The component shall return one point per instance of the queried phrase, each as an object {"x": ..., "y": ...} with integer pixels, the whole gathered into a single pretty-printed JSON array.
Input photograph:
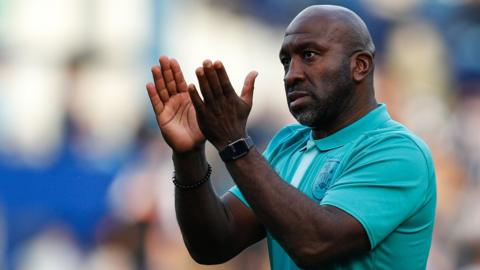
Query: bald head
[{"x": 337, "y": 24}]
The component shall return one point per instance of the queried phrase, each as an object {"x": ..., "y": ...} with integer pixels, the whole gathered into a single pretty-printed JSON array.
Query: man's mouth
[{"x": 296, "y": 96}]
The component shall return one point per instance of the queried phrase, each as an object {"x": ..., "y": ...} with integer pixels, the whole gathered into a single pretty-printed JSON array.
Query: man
[{"x": 347, "y": 188}]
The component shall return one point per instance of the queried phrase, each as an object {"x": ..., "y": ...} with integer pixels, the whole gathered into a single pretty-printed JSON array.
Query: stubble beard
[{"x": 308, "y": 116}]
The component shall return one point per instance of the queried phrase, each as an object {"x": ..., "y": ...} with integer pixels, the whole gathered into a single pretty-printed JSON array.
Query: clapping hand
[
  {"x": 173, "y": 107},
  {"x": 222, "y": 114}
]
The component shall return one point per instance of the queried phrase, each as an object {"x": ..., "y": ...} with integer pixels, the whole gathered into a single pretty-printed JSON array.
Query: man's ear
[{"x": 362, "y": 65}]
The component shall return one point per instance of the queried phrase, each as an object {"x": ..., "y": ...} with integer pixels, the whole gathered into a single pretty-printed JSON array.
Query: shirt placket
[{"x": 307, "y": 159}]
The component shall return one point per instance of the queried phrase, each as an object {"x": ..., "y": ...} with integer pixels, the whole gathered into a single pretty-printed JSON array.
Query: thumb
[{"x": 248, "y": 86}]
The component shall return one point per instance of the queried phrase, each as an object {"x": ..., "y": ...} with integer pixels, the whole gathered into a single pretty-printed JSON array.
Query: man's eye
[
  {"x": 285, "y": 61},
  {"x": 308, "y": 54}
]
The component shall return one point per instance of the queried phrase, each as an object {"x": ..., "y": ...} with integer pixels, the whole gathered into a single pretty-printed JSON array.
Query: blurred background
[{"x": 85, "y": 177}]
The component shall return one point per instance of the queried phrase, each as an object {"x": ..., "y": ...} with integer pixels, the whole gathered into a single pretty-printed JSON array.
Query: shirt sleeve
[{"x": 383, "y": 184}]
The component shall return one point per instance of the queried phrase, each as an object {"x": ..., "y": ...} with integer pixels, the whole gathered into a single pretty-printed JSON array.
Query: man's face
[{"x": 318, "y": 80}]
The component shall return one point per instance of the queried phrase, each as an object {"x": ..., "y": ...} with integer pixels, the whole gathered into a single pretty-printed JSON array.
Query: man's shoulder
[
  {"x": 394, "y": 141},
  {"x": 291, "y": 131},
  {"x": 394, "y": 133},
  {"x": 287, "y": 138}
]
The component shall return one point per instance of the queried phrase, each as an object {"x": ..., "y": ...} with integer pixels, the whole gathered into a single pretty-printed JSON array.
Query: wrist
[
  {"x": 195, "y": 152},
  {"x": 190, "y": 166}
]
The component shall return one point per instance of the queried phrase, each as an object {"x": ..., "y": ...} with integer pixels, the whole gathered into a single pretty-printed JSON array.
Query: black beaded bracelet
[{"x": 194, "y": 185}]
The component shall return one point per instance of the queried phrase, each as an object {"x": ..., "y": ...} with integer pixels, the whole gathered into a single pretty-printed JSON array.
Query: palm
[
  {"x": 173, "y": 107},
  {"x": 178, "y": 123}
]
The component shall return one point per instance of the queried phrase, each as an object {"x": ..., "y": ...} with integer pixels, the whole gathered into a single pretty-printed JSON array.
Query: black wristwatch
[{"x": 236, "y": 149}]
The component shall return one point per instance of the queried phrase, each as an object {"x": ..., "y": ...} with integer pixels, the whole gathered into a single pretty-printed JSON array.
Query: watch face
[
  {"x": 239, "y": 148},
  {"x": 236, "y": 149}
]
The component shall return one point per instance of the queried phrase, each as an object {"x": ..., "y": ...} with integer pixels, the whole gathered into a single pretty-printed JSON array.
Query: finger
[
  {"x": 195, "y": 97},
  {"x": 223, "y": 78},
  {"x": 157, "y": 103},
  {"x": 164, "y": 95},
  {"x": 167, "y": 74},
  {"x": 159, "y": 83},
  {"x": 212, "y": 78},
  {"x": 248, "y": 86},
  {"x": 204, "y": 86},
  {"x": 178, "y": 76}
]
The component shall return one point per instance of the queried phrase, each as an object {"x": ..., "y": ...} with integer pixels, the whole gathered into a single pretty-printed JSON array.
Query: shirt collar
[{"x": 370, "y": 121}]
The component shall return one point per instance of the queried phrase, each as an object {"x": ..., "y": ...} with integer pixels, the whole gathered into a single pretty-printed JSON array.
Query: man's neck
[{"x": 343, "y": 120}]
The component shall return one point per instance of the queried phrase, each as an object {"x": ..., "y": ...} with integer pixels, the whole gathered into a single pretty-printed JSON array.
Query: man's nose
[{"x": 294, "y": 73}]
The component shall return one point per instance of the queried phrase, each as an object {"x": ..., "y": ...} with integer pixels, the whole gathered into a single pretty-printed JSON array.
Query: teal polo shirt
[{"x": 377, "y": 171}]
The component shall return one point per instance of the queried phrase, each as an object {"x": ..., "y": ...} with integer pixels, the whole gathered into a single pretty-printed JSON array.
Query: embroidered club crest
[{"x": 323, "y": 178}]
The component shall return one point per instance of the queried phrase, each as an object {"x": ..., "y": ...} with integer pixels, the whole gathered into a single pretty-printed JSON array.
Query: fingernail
[{"x": 207, "y": 63}]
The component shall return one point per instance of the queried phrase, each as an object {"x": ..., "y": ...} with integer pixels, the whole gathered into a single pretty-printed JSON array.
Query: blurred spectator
[{"x": 52, "y": 249}]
